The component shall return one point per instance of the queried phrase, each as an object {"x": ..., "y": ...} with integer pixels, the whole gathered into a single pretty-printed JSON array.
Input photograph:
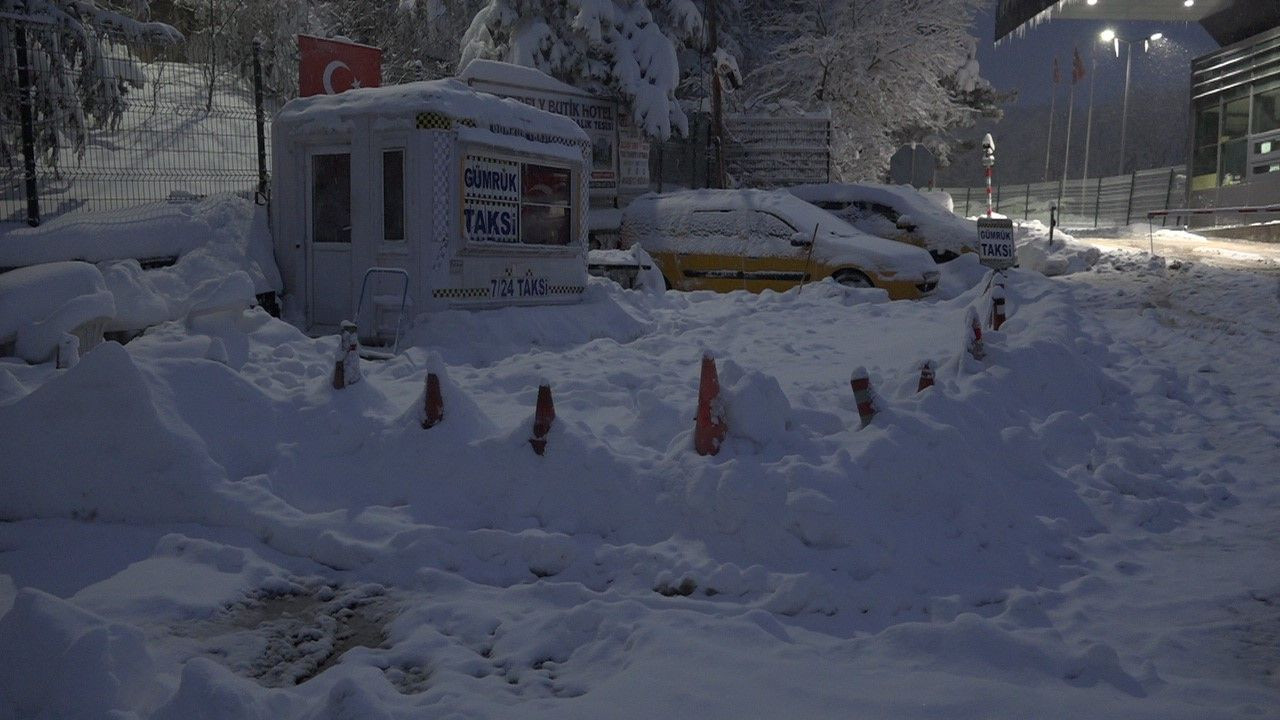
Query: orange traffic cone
[
  {"x": 861, "y": 383},
  {"x": 542, "y": 418},
  {"x": 997, "y": 307},
  {"x": 709, "y": 427},
  {"x": 434, "y": 402},
  {"x": 926, "y": 376}
]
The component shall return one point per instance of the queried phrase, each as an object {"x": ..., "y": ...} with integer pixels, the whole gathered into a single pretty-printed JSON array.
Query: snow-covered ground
[{"x": 1079, "y": 525}]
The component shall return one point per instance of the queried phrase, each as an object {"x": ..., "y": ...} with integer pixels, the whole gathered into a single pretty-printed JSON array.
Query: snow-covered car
[
  {"x": 895, "y": 212},
  {"x": 755, "y": 240}
]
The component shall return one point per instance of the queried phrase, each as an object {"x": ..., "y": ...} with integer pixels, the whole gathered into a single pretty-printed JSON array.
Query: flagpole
[
  {"x": 1077, "y": 72},
  {"x": 1088, "y": 123},
  {"x": 1048, "y": 145},
  {"x": 1066, "y": 153}
]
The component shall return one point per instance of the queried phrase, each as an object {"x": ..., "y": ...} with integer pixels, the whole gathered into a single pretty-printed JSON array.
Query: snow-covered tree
[
  {"x": 890, "y": 71},
  {"x": 625, "y": 49},
  {"x": 419, "y": 38},
  {"x": 221, "y": 34},
  {"x": 79, "y": 80}
]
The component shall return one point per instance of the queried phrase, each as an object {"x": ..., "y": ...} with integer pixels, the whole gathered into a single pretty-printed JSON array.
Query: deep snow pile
[
  {"x": 1062, "y": 256},
  {"x": 267, "y": 530},
  {"x": 221, "y": 244},
  {"x": 40, "y": 304}
]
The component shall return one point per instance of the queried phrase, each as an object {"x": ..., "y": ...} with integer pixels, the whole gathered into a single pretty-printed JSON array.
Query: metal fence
[
  {"x": 1093, "y": 202},
  {"x": 760, "y": 151},
  {"x": 110, "y": 124},
  {"x": 766, "y": 151}
]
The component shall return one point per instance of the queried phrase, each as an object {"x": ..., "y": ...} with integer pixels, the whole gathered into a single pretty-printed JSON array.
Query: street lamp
[{"x": 1109, "y": 36}]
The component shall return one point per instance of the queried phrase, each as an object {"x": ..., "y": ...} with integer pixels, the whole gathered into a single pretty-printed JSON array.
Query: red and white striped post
[{"x": 988, "y": 163}]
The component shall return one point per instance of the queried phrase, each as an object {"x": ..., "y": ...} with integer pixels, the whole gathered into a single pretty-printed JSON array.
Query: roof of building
[{"x": 1227, "y": 21}]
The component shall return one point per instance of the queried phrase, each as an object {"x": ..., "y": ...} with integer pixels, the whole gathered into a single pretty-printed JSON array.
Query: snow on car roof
[
  {"x": 670, "y": 207},
  {"x": 656, "y": 221},
  {"x": 397, "y": 106},
  {"x": 903, "y": 198}
]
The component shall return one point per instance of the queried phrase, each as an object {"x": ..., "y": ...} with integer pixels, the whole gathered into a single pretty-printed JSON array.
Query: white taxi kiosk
[{"x": 480, "y": 200}]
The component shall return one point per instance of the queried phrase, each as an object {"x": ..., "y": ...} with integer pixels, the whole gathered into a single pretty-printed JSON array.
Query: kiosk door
[{"x": 329, "y": 238}]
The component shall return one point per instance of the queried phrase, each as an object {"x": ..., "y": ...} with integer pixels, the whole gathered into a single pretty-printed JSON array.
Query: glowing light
[
  {"x": 1188, "y": 3},
  {"x": 1155, "y": 36},
  {"x": 1090, "y": 2},
  {"x": 1107, "y": 35}
]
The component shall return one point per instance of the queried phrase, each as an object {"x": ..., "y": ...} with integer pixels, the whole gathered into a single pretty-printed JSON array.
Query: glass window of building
[
  {"x": 1204, "y": 165},
  {"x": 393, "y": 195},
  {"x": 1235, "y": 144},
  {"x": 1266, "y": 110}
]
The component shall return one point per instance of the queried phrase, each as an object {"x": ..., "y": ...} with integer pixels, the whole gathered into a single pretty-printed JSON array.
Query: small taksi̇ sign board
[{"x": 995, "y": 243}]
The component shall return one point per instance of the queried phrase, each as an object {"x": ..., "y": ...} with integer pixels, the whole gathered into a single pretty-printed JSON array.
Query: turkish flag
[{"x": 328, "y": 67}]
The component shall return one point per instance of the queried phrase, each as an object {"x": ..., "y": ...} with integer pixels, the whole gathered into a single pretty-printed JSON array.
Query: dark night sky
[{"x": 1025, "y": 63}]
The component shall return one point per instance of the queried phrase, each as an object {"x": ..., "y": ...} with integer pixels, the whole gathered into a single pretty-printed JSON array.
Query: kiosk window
[
  {"x": 393, "y": 195},
  {"x": 331, "y": 198},
  {"x": 545, "y": 197}
]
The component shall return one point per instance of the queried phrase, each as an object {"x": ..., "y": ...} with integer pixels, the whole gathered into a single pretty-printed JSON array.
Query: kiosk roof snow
[
  {"x": 400, "y": 105},
  {"x": 518, "y": 76}
]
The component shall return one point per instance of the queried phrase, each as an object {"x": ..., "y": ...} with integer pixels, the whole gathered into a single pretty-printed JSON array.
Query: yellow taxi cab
[{"x": 756, "y": 240}]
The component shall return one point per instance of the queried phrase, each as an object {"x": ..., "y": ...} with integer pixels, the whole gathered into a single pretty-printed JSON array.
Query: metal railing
[
  {"x": 178, "y": 125},
  {"x": 1093, "y": 202}
]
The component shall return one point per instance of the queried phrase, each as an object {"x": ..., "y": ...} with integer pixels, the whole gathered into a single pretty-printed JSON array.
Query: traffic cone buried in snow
[
  {"x": 861, "y": 383},
  {"x": 997, "y": 306},
  {"x": 543, "y": 415},
  {"x": 974, "y": 344},
  {"x": 926, "y": 376},
  {"x": 346, "y": 361},
  {"x": 434, "y": 402},
  {"x": 709, "y": 427}
]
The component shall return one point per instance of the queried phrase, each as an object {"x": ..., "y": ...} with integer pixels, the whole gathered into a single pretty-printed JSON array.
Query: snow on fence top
[{"x": 399, "y": 107}]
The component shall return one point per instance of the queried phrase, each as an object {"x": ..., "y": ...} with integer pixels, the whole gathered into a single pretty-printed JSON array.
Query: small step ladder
[{"x": 370, "y": 353}]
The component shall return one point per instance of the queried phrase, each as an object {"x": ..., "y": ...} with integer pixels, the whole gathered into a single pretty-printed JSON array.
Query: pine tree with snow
[
  {"x": 77, "y": 83},
  {"x": 625, "y": 49}
]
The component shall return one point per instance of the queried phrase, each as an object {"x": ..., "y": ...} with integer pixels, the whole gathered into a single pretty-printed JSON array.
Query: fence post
[
  {"x": 28, "y": 125},
  {"x": 1128, "y": 213},
  {"x": 966, "y": 200},
  {"x": 1168, "y": 195},
  {"x": 1026, "y": 204},
  {"x": 1097, "y": 201},
  {"x": 661, "y": 169},
  {"x": 263, "y": 194}
]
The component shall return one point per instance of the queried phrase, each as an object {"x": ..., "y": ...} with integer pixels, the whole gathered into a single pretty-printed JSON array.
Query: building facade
[
  {"x": 1234, "y": 156},
  {"x": 1233, "y": 152}
]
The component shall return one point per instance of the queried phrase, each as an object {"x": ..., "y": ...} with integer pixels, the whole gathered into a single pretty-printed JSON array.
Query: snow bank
[
  {"x": 463, "y": 336},
  {"x": 93, "y": 443},
  {"x": 40, "y": 304},
  {"x": 961, "y": 550},
  {"x": 224, "y": 260},
  {"x": 64, "y": 662},
  {"x": 1066, "y": 255}
]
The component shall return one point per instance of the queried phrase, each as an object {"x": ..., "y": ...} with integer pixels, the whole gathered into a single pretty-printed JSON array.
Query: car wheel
[{"x": 853, "y": 278}]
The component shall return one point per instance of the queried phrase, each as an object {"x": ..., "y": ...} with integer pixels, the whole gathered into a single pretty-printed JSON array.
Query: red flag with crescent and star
[
  {"x": 1077, "y": 68},
  {"x": 328, "y": 67}
]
